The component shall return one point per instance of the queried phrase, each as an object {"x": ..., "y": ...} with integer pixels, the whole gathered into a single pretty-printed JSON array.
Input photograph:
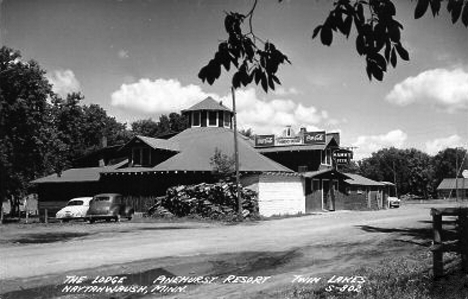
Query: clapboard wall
[{"x": 280, "y": 195}]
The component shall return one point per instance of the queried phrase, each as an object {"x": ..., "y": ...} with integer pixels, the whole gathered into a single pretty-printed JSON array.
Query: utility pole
[
  {"x": 456, "y": 174},
  {"x": 394, "y": 179},
  {"x": 236, "y": 155}
]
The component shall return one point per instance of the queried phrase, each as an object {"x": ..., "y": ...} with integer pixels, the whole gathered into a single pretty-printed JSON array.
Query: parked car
[
  {"x": 76, "y": 208},
  {"x": 393, "y": 202},
  {"x": 108, "y": 206}
]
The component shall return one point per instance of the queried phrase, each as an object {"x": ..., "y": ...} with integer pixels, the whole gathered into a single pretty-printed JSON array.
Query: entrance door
[
  {"x": 325, "y": 194},
  {"x": 328, "y": 192}
]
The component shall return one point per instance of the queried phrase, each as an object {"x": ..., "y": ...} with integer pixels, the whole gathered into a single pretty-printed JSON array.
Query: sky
[{"x": 140, "y": 58}]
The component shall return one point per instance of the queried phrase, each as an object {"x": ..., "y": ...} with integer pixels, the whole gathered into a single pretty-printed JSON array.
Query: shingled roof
[
  {"x": 451, "y": 184},
  {"x": 357, "y": 180},
  {"x": 208, "y": 104},
  {"x": 198, "y": 146},
  {"x": 78, "y": 175}
]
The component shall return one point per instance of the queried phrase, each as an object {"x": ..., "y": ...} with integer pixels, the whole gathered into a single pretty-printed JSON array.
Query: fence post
[
  {"x": 437, "y": 254},
  {"x": 46, "y": 220}
]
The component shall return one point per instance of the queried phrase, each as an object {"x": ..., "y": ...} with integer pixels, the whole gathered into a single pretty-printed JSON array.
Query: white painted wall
[{"x": 280, "y": 195}]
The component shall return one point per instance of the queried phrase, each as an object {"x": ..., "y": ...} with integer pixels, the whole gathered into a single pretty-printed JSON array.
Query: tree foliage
[
  {"x": 41, "y": 133},
  {"x": 378, "y": 39},
  {"x": 254, "y": 60},
  {"x": 28, "y": 139},
  {"x": 173, "y": 123},
  {"x": 415, "y": 172},
  {"x": 223, "y": 165}
]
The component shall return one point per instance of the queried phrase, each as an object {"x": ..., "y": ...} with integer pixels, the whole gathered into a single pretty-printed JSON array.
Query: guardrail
[{"x": 439, "y": 246}]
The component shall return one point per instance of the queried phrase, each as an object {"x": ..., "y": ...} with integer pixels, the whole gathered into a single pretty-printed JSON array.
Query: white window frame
[{"x": 208, "y": 119}]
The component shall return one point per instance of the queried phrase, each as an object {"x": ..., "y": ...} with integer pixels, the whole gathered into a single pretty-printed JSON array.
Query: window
[
  {"x": 326, "y": 156},
  {"x": 315, "y": 185},
  {"x": 212, "y": 119},
  {"x": 136, "y": 156},
  {"x": 227, "y": 119},
  {"x": 329, "y": 156},
  {"x": 141, "y": 156},
  {"x": 145, "y": 157},
  {"x": 196, "y": 119}
]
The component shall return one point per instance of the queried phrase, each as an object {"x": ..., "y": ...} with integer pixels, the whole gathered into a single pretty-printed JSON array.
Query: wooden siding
[{"x": 280, "y": 195}]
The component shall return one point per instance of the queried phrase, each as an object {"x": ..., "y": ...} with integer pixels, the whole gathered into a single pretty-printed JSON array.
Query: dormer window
[{"x": 141, "y": 156}]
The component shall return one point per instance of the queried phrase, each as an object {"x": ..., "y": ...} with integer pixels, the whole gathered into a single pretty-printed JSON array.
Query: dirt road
[{"x": 314, "y": 244}]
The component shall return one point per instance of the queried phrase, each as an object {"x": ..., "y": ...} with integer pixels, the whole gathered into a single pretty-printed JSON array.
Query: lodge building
[{"x": 292, "y": 173}]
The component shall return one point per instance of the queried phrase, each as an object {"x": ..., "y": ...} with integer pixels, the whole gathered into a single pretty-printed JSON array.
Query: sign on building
[
  {"x": 264, "y": 140},
  {"x": 312, "y": 138},
  {"x": 342, "y": 157}
]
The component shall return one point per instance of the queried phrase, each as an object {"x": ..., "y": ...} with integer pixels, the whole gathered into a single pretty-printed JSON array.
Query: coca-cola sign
[
  {"x": 314, "y": 137},
  {"x": 265, "y": 140}
]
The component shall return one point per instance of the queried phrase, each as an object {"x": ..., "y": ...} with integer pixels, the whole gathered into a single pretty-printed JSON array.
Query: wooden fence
[{"x": 439, "y": 246}]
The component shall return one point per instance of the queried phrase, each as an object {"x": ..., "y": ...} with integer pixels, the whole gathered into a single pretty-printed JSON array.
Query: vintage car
[
  {"x": 108, "y": 206},
  {"x": 393, "y": 202},
  {"x": 76, "y": 208}
]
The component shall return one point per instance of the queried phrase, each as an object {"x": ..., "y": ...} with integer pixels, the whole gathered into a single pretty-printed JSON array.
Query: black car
[{"x": 108, "y": 206}]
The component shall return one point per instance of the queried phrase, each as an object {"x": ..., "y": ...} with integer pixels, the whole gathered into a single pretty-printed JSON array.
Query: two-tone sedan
[{"x": 76, "y": 208}]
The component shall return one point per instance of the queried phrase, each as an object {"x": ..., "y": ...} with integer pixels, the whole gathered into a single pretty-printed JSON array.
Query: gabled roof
[
  {"x": 78, "y": 175},
  {"x": 324, "y": 172},
  {"x": 198, "y": 147},
  {"x": 451, "y": 184},
  {"x": 155, "y": 143},
  {"x": 357, "y": 180},
  {"x": 208, "y": 104}
]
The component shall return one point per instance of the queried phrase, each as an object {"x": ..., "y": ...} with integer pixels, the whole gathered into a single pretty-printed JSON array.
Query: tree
[
  {"x": 378, "y": 39},
  {"x": 247, "y": 133},
  {"x": 29, "y": 144},
  {"x": 444, "y": 163},
  {"x": 173, "y": 123},
  {"x": 223, "y": 165},
  {"x": 411, "y": 169},
  {"x": 97, "y": 125},
  {"x": 82, "y": 128}
]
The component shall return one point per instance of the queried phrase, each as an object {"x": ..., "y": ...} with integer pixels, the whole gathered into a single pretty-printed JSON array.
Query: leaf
[
  {"x": 376, "y": 71},
  {"x": 465, "y": 15},
  {"x": 368, "y": 71},
  {"x": 402, "y": 52},
  {"x": 387, "y": 50},
  {"x": 326, "y": 35},
  {"x": 379, "y": 60},
  {"x": 360, "y": 45},
  {"x": 271, "y": 83},
  {"x": 421, "y": 8},
  {"x": 276, "y": 79},
  {"x": 456, "y": 10},
  {"x": 435, "y": 7},
  {"x": 316, "y": 31},
  {"x": 264, "y": 82},
  {"x": 257, "y": 75},
  {"x": 393, "y": 58},
  {"x": 236, "y": 80},
  {"x": 347, "y": 25}
]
